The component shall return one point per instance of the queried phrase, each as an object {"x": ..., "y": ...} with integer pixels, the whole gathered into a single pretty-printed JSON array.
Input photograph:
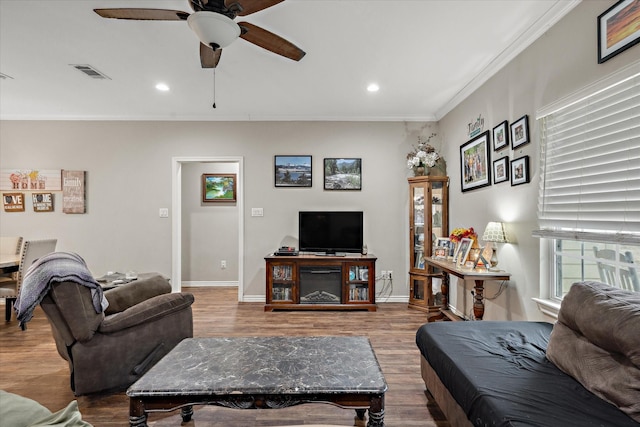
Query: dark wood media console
[{"x": 321, "y": 282}]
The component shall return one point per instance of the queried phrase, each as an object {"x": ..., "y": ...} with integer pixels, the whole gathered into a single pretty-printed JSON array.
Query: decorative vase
[
  {"x": 418, "y": 171},
  {"x": 439, "y": 169}
]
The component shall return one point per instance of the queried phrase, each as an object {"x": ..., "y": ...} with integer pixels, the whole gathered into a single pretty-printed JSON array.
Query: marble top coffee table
[{"x": 267, "y": 372}]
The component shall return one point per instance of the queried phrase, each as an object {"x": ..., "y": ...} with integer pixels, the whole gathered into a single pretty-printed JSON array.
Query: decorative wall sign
[
  {"x": 30, "y": 180},
  {"x": 476, "y": 126},
  {"x": 218, "y": 187},
  {"x": 342, "y": 174},
  {"x": 42, "y": 202},
  {"x": 618, "y": 29},
  {"x": 474, "y": 163},
  {"x": 292, "y": 171},
  {"x": 73, "y": 192},
  {"x": 13, "y": 202},
  {"x": 520, "y": 132}
]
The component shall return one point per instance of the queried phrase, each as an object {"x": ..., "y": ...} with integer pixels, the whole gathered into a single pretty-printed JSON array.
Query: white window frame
[{"x": 549, "y": 301}]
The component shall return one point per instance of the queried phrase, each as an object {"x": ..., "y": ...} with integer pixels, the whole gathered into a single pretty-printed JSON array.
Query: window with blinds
[{"x": 589, "y": 198}]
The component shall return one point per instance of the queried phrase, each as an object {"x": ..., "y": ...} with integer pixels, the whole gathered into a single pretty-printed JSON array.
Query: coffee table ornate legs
[
  {"x": 187, "y": 413},
  {"x": 359, "y": 419},
  {"x": 137, "y": 415},
  {"x": 376, "y": 412}
]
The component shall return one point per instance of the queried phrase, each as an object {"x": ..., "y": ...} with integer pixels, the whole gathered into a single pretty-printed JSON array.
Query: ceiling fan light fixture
[{"x": 213, "y": 28}]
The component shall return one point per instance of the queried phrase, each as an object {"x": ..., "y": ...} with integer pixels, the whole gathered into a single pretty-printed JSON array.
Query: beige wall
[
  {"x": 562, "y": 61},
  {"x": 129, "y": 179}
]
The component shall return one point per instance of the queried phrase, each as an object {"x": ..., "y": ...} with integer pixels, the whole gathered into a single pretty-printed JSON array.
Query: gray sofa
[
  {"x": 112, "y": 349},
  {"x": 582, "y": 371}
]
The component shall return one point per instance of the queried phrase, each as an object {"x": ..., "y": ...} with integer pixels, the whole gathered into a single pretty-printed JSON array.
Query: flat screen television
[{"x": 330, "y": 231}]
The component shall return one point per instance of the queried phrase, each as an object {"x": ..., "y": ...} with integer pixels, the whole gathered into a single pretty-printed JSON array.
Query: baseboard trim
[{"x": 209, "y": 284}]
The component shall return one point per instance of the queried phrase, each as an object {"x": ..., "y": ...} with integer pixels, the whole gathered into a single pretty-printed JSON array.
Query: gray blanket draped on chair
[{"x": 55, "y": 267}]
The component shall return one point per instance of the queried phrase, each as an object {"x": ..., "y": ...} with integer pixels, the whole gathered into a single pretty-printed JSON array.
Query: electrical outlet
[
  {"x": 223, "y": 264},
  {"x": 384, "y": 274}
]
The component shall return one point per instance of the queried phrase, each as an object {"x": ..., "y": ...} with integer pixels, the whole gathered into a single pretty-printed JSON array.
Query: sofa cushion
[
  {"x": 130, "y": 294},
  {"x": 19, "y": 411},
  {"x": 597, "y": 341}
]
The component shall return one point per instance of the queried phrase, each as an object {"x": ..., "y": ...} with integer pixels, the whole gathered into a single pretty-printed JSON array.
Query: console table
[
  {"x": 320, "y": 282},
  {"x": 478, "y": 275}
]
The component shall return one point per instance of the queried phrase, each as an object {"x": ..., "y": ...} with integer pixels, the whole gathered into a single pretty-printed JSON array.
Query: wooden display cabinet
[
  {"x": 428, "y": 220},
  {"x": 320, "y": 282}
]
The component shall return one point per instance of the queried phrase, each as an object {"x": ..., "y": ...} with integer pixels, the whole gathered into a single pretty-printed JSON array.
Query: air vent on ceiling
[
  {"x": 4, "y": 76},
  {"x": 90, "y": 71}
]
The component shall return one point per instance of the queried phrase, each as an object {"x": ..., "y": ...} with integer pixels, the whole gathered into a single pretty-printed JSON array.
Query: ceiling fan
[{"x": 213, "y": 23}]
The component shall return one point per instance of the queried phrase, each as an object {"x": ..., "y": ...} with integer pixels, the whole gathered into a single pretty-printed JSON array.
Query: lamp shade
[
  {"x": 213, "y": 28},
  {"x": 495, "y": 233}
]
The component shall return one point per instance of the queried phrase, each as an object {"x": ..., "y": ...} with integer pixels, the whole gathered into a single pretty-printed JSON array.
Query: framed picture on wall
[
  {"x": 501, "y": 170},
  {"x": 342, "y": 174},
  {"x": 520, "y": 171},
  {"x": 501, "y": 136},
  {"x": 218, "y": 187},
  {"x": 520, "y": 132},
  {"x": 292, "y": 171},
  {"x": 618, "y": 29},
  {"x": 474, "y": 163}
]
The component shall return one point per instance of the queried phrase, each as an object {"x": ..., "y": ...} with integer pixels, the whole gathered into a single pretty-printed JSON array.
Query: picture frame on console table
[
  {"x": 343, "y": 174},
  {"x": 618, "y": 29},
  {"x": 219, "y": 187},
  {"x": 475, "y": 163},
  {"x": 293, "y": 171},
  {"x": 463, "y": 251}
]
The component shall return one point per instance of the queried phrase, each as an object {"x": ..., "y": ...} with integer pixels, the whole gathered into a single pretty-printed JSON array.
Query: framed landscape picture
[
  {"x": 520, "y": 132},
  {"x": 342, "y": 174},
  {"x": 292, "y": 171},
  {"x": 474, "y": 163},
  {"x": 618, "y": 29},
  {"x": 501, "y": 170},
  {"x": 501, "y": 136},
  {"x": 218, "y": 187},
  {"x": 520, "y": 171}
]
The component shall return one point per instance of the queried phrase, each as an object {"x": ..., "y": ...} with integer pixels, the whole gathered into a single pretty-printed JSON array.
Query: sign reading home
[
  {"x": 13, "y": 202},
  {"x": 73, "y": 192},
  {"x": 29, "y": 180},
  {"x": 42, "y": 202}
]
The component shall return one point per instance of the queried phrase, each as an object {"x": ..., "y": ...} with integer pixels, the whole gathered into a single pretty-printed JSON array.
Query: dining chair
[
  {"x": 10, "y": 246},
  {"x": 624, "y": 278},
  {"x": 31, "y": 251}
]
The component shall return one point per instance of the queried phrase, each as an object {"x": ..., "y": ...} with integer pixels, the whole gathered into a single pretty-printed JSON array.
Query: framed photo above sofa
[
  {"x": 474, "y": 163},
  {"x": 618, "y": 29}
]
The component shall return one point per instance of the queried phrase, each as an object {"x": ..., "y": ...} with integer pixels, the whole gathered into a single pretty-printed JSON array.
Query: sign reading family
[{"x": 476, "y": 126}]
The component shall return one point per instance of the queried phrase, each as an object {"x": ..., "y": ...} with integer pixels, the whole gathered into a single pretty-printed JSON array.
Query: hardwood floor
[{"x": 30, "y": 365}]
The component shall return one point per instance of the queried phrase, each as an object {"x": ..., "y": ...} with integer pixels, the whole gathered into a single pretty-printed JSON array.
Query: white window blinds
[{"x": 590, "y": 159}]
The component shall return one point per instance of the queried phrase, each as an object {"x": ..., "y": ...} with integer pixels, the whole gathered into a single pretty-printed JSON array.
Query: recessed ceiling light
[
  {"x": 373, "y": 87},
  {"x": 162, "y": 87}
]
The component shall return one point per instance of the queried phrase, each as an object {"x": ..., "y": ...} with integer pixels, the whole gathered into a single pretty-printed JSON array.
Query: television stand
[{"x": 342, "y": 281}]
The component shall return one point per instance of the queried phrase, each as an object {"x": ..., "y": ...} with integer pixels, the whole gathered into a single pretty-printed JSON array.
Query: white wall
[
  {"x": 562, "y": 61},
  {"x": 128, "y": 168}
]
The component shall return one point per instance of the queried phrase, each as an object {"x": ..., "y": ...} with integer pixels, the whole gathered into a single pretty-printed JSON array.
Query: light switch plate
[
  {"x": 164, "y": 212},
  {"x": 257, "y": 212}
]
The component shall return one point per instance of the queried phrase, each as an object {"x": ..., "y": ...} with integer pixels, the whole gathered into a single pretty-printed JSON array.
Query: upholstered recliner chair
[{"x": 112, "y": 349}]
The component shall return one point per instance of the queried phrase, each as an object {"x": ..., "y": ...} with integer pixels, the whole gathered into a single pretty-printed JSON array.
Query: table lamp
[{"x": 494, "y": 232}]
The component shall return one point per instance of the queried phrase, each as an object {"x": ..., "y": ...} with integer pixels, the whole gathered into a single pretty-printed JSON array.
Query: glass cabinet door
[
  {"x": 358, "y": 283},
  {"x": 418, "y": 193},
  {"x": 282, "y": 287}
]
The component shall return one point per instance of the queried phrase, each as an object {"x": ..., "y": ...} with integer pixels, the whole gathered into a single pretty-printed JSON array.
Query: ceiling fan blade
[
  {"x": 143, "y": 14},
  {"x": 250, "y": 6},
  {"x": 269, "y": 41},
  {"x": 208, "y": 57}
]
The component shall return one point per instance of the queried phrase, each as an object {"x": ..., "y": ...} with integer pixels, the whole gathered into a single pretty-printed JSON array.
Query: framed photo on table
[
  {"x": 520, "y": 132},
  {"x": 463, "y": 251},
  {"x": 474, "y": 163},
  {"x": 618, "y": 29},
  {"x": 218, "y": 187}
]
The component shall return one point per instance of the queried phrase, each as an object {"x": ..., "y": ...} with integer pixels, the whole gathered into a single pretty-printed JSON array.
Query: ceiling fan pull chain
[{"x": 214, "y": 88}]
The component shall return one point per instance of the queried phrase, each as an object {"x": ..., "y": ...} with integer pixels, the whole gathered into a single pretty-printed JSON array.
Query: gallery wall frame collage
[
  {"x": 476, "y": 169},
  {"x": 339, "y": 173}
]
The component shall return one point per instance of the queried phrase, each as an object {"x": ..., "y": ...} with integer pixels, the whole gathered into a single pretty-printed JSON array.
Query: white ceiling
[{"x": 426, "y": 55}]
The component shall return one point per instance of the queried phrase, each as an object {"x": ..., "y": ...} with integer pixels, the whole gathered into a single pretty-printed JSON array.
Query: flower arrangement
[
  {"x": 423, "y": 155},
  {"x": 461, "y": 233}
]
